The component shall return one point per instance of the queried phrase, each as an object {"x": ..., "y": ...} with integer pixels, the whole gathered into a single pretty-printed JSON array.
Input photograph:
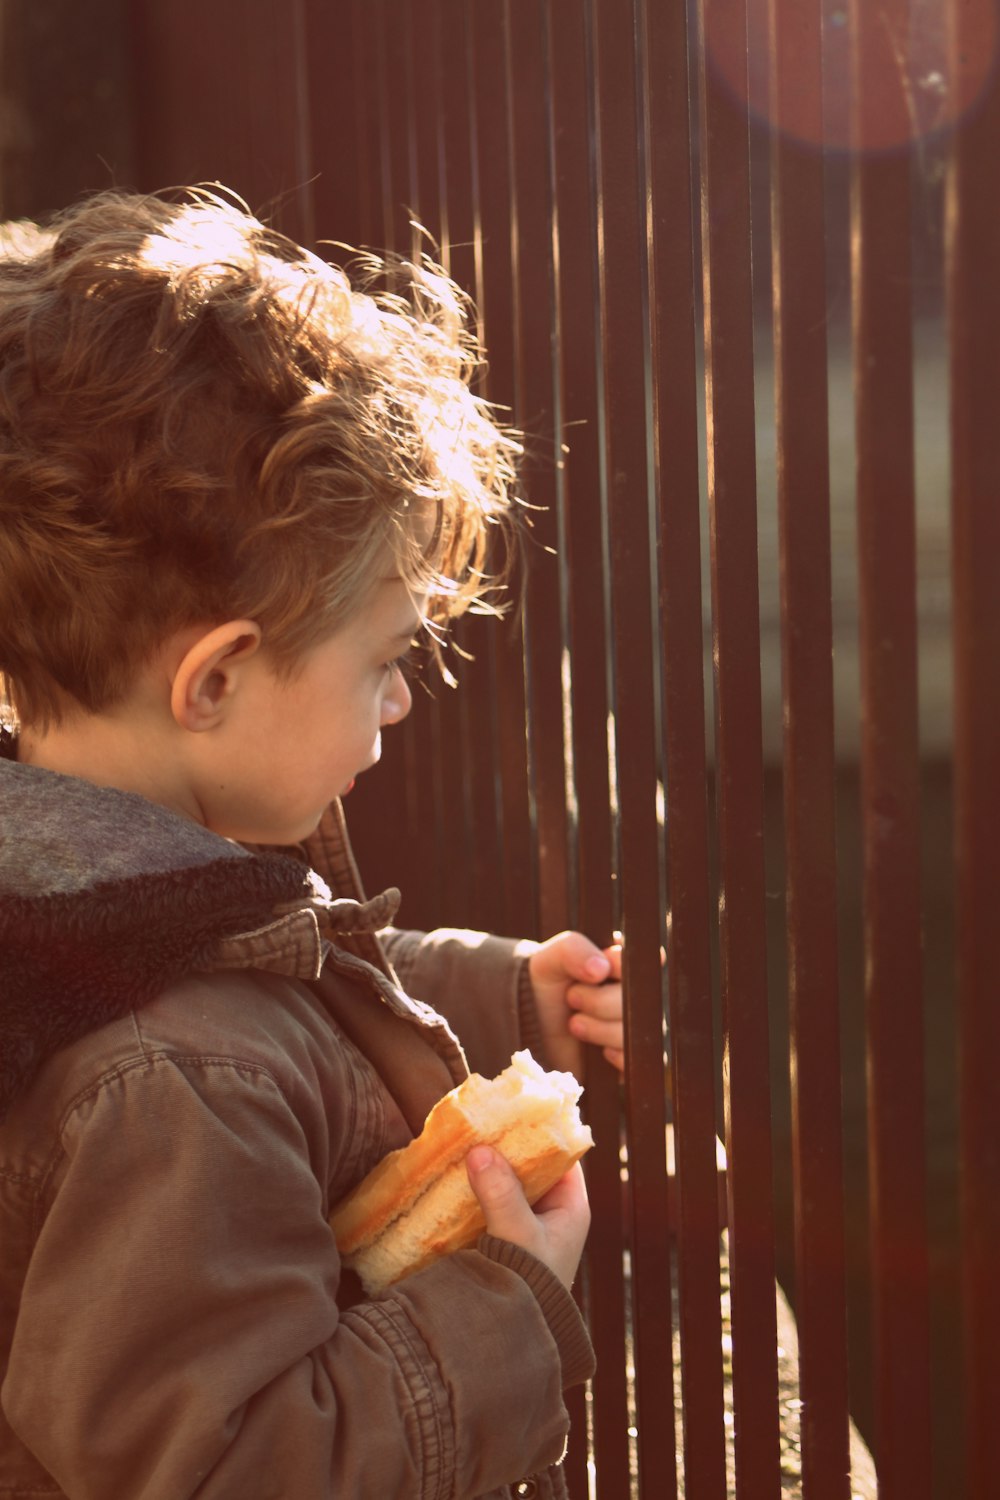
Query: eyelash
[{"x": 402, "y": 664}]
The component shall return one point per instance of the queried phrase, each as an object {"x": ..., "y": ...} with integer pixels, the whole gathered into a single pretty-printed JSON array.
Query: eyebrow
[{"x": 406, "y": 635}]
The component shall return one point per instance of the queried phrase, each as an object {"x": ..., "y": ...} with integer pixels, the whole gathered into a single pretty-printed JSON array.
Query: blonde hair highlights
[{"x": 200, "y": 420}]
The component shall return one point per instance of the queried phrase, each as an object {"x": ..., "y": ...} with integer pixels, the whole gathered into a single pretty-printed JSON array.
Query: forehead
[{"x": 391, "y": 612}]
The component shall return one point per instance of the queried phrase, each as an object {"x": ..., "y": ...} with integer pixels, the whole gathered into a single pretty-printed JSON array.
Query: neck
[{"x": 118, "y": 751}]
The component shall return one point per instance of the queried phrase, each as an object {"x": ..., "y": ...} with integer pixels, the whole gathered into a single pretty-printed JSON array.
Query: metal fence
[{"x": 722, "y": 253}]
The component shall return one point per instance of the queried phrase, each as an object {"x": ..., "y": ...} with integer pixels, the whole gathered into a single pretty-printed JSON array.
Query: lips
[{"x": 348, "y": 787}]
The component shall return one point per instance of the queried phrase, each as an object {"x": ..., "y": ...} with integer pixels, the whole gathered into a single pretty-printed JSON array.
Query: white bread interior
[{"x": 417, "y": 1203}]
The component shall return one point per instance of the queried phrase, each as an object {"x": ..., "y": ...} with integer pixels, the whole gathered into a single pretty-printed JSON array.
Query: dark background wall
[{"x": 66, "y": 102}]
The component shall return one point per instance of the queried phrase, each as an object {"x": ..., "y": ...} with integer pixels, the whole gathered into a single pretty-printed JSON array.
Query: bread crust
[{"x": 417, "y": 1205}]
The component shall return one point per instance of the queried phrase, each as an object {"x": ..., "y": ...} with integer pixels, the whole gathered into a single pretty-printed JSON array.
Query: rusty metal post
[
  {"x": 883, "y": 383},
  {"x": 489, "y": 31},
  {"x": 589, "y": 630},
  {"x": 667, "y": 97},
  {"x": 446, "y": 824},
  {"x": 799, "y": 294},
  {"x": 195, "y": 124},
  {"x": 336, "y": 148},
  {"x": 532, "y": 248},
  {"x": 477, "y": 699},
  {"x": 725, "y": 200},
  {"x": 66, "y": 85},
  {"x": 973, "y": 255},
  {"x": 624, "y": 333}
]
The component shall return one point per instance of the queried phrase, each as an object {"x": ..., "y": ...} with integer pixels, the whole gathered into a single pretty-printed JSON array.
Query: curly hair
[{"x": 200, "y": 420}]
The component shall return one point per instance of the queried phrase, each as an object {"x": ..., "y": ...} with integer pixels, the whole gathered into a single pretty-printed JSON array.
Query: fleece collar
[{"x": 106, "y": 898}]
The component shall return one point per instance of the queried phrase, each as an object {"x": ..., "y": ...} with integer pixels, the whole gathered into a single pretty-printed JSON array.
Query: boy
[{"x": 232, "y": 491}]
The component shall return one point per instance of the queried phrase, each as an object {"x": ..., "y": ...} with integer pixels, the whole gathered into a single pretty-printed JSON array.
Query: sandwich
[{"x": 417, "y": 1204}]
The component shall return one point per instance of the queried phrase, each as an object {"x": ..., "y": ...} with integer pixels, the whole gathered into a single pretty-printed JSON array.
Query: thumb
[
  {"x": 500, "y": 1194},
  {"x": 571, "y": 955}
]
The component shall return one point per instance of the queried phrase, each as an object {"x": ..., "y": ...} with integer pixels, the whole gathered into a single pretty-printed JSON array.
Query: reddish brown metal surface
[
  {"x": 447, "y": 810},
  {"x": 883, "y": 383},
  {"x": 425, "y": 105},
  {"x": 725, "y": 199},
  {"x": 688, "y": 943},
  {"x": 397, "y": 115},
  {"x": 456, "y": 147},
  {"x": 799, "y": 283},
  {"x": 334, "y": 93},
  {"x": 595, "y": 914},
  {"x": 392, "y": 811},
  {"x": 536, "y": 388},
  {"x": 366, "y": 138},
  {"x": 479, "y": 119},
  {"x": 66, "y": 80},
  {"x": 531, "y": 223},
  {"x": 489, "y": 39},
  {"x": 388, "y": 186},
  {"x": 973, "y": 229},
  {"x": 227, "y": 109},
  {"x": 623, "y": 334},
  {"x": 476, "y": 697}
]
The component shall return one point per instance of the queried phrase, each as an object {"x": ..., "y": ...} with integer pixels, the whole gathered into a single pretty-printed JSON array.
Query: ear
[{"x": 210, "y": 673}]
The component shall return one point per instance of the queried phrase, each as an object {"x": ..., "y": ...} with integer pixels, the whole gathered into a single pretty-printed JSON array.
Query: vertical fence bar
[
  {"x": 799, "y": 293},
  {"x": 623, "y": 331},
  {"x": 577, "y": 351},
  {"x": 393, "y": 167},
  {"x": 342, "y": 71},
  {"x": 423, "y": 123},
  {"x": 973, "y": 254},
  {"x": 392, "y": 813},
  {"x": 545, "y": 572},
  {"x": 725, "y": 197},
  {"x": 194, "y": 124},
  {"x": 367, "y": 137},
  {"x": 337, "y": 146},
  {"x": 489, "y": 32},
  {"x": 400, "y": 123},
  {"x": 439, "y": 704},
  {"x": 476, "y": 696},
  {"x": 303, "y": 225},
  {"x": 692, "y": 1054},
  {"x": 532, "y": 247},
  {"x": 883, "y": 376}
]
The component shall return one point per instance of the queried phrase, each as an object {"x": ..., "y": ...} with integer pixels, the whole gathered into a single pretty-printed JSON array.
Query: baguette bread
[{"x": 417, "y": 1205}]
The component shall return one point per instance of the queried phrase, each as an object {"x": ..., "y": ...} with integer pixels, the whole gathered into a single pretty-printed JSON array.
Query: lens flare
[{"x": 893, "y": 73}]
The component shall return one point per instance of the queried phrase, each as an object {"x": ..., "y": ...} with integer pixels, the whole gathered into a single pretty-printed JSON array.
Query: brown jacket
[{"x": 200, "y": 1053}]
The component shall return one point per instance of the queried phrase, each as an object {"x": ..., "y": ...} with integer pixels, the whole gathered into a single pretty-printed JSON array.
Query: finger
[
  {"x": 500, "y": 1194},
  {"x": 616, "y": 1057},
  {"x": 597, "y": 1033},
  {"x": 570, "y": 954},
  {"x": 602, "y": 1000},
  {"x": 614, "y": 956},
  {"x": 569, "y": 1194}
]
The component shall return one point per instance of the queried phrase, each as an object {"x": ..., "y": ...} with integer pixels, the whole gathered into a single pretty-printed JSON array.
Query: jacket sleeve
[
  {"x": 479, "y": 983},
  {"x": 179, "y": 1332}
]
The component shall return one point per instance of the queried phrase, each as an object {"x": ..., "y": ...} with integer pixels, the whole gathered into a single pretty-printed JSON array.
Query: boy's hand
[
  {"x": 578, "y": 992},
  {"x": 554, "y": 1231}
]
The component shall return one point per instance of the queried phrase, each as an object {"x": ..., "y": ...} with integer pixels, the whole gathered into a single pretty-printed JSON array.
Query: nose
[{"x": 398, "y": 699}]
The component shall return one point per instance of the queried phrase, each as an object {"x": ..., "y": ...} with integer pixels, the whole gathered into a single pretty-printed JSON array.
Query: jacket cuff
[{"x": 576, "y": 1353}]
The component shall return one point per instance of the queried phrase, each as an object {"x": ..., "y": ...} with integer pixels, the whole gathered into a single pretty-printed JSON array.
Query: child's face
[{"x": 292, "y": 746}]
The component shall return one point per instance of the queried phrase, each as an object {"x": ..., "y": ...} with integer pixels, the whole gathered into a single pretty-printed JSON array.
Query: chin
[
  {"x": 291, "y": 833},
  {"x": 270, "y": 833},
  {"x": 305, "y": 828}
]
